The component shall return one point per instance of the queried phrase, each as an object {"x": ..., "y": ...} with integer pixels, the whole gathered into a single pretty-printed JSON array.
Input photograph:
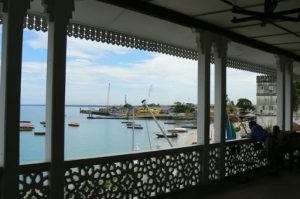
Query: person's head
[
  {"x": 252, "y": 124},
  {"x": 276, "y": 130}
]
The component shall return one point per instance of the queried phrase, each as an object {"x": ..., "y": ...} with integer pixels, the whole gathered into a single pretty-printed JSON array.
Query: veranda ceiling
[{"x": 283, "y": 35}]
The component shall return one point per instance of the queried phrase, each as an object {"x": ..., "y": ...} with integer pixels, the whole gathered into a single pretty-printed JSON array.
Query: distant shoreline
[
  {"x": 86, "y": 105},
  {"x": 68, "y": 105}
]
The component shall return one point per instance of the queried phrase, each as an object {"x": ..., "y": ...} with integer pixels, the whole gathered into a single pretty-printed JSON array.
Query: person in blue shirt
[{"x": 257, "y": 132}]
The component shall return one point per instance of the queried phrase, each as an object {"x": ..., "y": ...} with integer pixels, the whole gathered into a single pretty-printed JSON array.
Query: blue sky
[{"x": 91, "y": 66}]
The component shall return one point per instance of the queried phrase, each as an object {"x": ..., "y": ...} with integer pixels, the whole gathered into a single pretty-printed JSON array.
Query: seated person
[
  {"x": 272, "y": 148},
  {"x": 257, "y": 132}
]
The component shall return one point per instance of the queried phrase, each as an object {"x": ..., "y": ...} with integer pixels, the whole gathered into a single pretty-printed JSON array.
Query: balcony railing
[{"x": 141, "y": 175}]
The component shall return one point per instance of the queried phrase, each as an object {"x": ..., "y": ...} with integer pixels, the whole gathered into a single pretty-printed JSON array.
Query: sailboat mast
[
  {"x": 133, "y": 143},
  {"x": 149, "y": 92},
  {"x": 157, "y": 123},
  {"x": 108, "y": 92}
]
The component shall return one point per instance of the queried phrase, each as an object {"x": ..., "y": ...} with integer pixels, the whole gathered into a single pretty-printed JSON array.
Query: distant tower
[{"x": 266, "y": 96}]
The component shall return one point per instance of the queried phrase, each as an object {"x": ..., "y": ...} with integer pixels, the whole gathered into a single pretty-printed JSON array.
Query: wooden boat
[
  {"x": 74, "y": 124},
  {"x": 169, "y": 135},
  {"x": 26, "y": 127},
  {"x": 40, "y": 133}
]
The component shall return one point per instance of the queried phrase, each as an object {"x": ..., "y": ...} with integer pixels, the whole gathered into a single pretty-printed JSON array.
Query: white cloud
[
  {"x": 172, "y": 78},
  {"x": 33, "y": 83},
  {"x": 77, "y": 48},
  {"x": 39, "y": 40},
  {"x": 241, "y": 84}
]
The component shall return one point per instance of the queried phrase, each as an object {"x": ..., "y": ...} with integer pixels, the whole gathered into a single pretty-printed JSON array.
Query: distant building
[
  {"x": 266, "y": 96},
  {"x": 266, "y": 102}
]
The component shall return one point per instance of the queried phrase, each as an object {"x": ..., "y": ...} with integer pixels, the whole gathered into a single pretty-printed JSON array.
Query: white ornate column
[
  {"x": 280, "y": 78},
  {"x": 288, "y": 77},
  {"x": 13, "y": 15},
  {"x": 59, "y": 14},
  {"x": 203, "y": 108},
  {"x": 220, "y": 54}
]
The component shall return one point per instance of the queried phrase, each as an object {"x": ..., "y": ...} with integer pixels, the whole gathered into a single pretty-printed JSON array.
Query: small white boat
[
  {"x": 127, "y": 122},
  {"x": 177, "y": 130}
]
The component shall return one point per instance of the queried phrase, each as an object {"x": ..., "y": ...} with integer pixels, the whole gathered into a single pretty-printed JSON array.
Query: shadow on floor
[{"x": 260, "y": 185}]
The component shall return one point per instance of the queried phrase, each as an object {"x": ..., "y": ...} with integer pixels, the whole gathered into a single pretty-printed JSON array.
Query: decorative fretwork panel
[
  {"x": 138, "y": 177},
  {"x": 213, "y": 162},
  {"x": 243, "y": 156},
  {"x": 34, "y": 182},
  {"x": 141, "y": 175}
]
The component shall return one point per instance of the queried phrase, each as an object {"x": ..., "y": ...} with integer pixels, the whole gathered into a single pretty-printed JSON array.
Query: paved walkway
[{"x": 259, "y": 186}]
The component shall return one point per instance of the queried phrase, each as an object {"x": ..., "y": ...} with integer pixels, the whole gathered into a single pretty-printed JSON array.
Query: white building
[
  {"x": 266, "y": 95},
  {"x": 266, "y": 102}
]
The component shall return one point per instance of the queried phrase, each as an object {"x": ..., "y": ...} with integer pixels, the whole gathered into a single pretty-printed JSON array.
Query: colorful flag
[{"x": 230, "y": 131}]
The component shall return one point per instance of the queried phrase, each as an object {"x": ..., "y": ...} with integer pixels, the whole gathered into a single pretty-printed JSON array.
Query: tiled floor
[{"x": 261, "y": 185}]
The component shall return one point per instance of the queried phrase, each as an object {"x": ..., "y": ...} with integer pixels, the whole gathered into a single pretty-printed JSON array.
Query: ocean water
[{"x": 93, "y": 138}]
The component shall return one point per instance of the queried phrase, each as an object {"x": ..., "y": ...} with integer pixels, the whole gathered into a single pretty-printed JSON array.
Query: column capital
[
  {"x": 59, "y": 10},
  {"x": 220, "y": 46},
  {"x": 283, "y": 61},
  {"x": 204, "y": 40}
]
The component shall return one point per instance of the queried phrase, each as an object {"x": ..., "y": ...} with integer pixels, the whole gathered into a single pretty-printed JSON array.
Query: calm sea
[{"x": 97, "y": 137}]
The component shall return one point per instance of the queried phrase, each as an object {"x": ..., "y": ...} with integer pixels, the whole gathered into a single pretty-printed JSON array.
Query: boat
[
  {"x": 182, "y": 130},
  {"x": 135, "y": 126},
  {"x": 131, "y": 124},
  {"x": 26, "y": 127},
  {"x": 40, "y": 133},
  {"x": 43, "y": 122},
  {"x": 177, "y": 130},
  {"x": 189, "y": 126},
  {"x": 169, "y": 135},
  {"x": 169, "y": 122},
  {"x": 127, "y": 122},
  {"x": 105, "y": 111},
  {"x": 105, "y": 117},
  {"x": 74, "y": 124},
  {"x": 25, "y": 121}
]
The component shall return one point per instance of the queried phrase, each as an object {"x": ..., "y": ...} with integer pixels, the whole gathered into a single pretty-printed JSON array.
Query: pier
[{"x": 120, "y": 115}]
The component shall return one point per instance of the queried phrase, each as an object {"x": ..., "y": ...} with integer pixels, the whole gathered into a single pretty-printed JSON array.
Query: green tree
[
  {"x": 183, "y": 108},
  {"x": 245, "y": 104},
  {"x": 296, "y": 96},
  {"x": 229, "y": 105}
]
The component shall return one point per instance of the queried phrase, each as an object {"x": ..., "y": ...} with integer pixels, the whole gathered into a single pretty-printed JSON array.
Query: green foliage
[
  {"x": 245, "y": 104},
  {"x": 230, "y": 106},
  {"x": 296, "y": 96},
  {"x": 183, "y": 108},
  {"x": 153, "y": 105}
]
